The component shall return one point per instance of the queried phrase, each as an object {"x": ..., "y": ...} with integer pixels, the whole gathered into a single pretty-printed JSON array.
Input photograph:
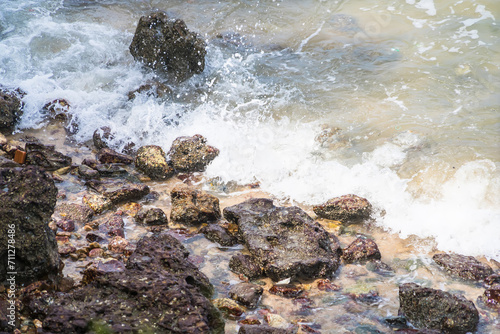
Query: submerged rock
[
  {"x": 46, "y": 157},
  {"x": 361, "y": 250},
  {"x": 27, "y": 201},
  {"x": 264, "y": 329},
  {"x": 347, "y": 209},
  {"x": 466, "y": 267},
  {"x": 219, "y": 234},
  {"x": 156, "y": 89},
  {"x": 10, "y": 111},
  {"x": 436, "y": 309},
  {"x": 229, "y": 307},
  {"x": 168, "y": 46},
  {"x": 151, "y": 161},
  {"x": 193, "y": 207},
  {"x": 191, "y": 154},
  {"x": 285, "y": 241},
  {"x": 247, "y": 294},
  {"x": 80, "y": 214},
  {"x": 286, "y": 290}
]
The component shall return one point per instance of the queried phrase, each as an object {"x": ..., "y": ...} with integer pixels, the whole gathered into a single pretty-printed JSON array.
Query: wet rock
[
  {"x": 100, "y": 268},
  {"x": 219, "y": 234},
  {"x": 155, "y": 89},
  {"x": 264, "y": 329},
  {"x": 191, "y": 154},
  {"x": 491, "y": 297},
  {"x": 285, "y": 241},
  {"x": 168, "y": 46},
  {"x": 10, "y": 111},
  {"x": 466, "y": 267},
  {"x": 286, "y": 290},
  {"x": 245, "y": 265},
  {"x": 92, "y": 163},
  {"x": 118, "y": 245},
  {"x": 436, "y": 309},
  {"x": 102, "y": 136},
  {"x": 111, "y": 170},
  {"x": 8, "y": 163},
  {"x": 380, "y": 268},
  {"x": 58, "y": 109},
  {"x": 46, "y": 157},
  {"x": 28, "y": 198},
  {"x": 158, "y": 292},
  {"x": 108, "y": 156},
  {"x": 151, "y": 161},
  {"x": 326, "y": 285},
  {"x": 361, "y": 250},
  {"x": 97, "y": 203},
  {"x": 119, "y": 191},
  {"x": 110, "y": 225},
  {"x": 152, "y": 216},
  {"x": 66, "y": 225},
  {"x": 246, "y": 293},
  {"x": 229, "y": 307},
  {"x": 87, "y": 173},
  {"x": 277, "y": 321},
  {"x": 347, "y": 209},
  {"x": 66, "y": 248},
  {"x": 96, "y": 252},
  {"x": 193, "y": 207},
  {"x": 492, "y": 279}
]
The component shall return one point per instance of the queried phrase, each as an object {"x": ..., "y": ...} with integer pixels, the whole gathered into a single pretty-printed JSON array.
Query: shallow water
[{"x": 394, "y": 101}]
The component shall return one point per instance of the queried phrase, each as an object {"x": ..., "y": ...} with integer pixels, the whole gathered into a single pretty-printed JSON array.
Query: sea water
[{"x": 395, "y": 101}]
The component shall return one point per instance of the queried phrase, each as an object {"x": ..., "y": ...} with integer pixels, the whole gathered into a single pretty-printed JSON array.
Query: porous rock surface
[
  {"x": 285, "y": 241},
  {"x": 347, "y": 209},
  {"x": 151, "y": 161},
  {"x": 191, "y": 154},
  {"x": 193, "y": 207},
  {"x": 466, "y": 267},
  {"x": 10, "y": 111}
]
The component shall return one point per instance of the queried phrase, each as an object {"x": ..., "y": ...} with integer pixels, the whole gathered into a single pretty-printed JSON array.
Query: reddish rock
[
  {"x": 193, "y": 207},
  {"x": 66, "y": 248},
  {"x": 96, "y": 252},
  {"x": 326, "y": 285},
  {"x": 347, "y": 209},
  {"x": 361, "y": 250},
  {"x": 286, "y": 290},
  {"x": 66, "y": 225},
  {"x": 491, "y": 297},
  {"x": 87, "y": 173},
  {"x": 118, "y": 245}
]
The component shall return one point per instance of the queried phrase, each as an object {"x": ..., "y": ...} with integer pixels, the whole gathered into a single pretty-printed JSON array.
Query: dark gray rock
[
  {"x": 466, "y": 267},
  {"x": 107, "y": 156},
  {"x": 8, "y": 163},
  {"x": 193, "y": 207},
  {"x": 361, "y": 250},
  {"x": 46, "y": 157},
  {"x": 245, "y": 265},
  {"x": 285, "y": 241},
  {"x": 219, "y": 234},
  {"x": 102, "y": 136},
  {"x": 27, "y": 201},
  {"x": 247, "y": 294},
  {"x": 167, "y": 46},
  {"x": 119, "y": 191},
  {"x": 347, "y": 209},
  {"x": 87, "y": 173},
  {"x": 151, "y": 161},
  {"x": 111, "y": 170},
  {"x": 10, "y": 111},
  {"x": 152, "y": 216},
  {"x": 491, "y": 297},
  {"x": 264, "y": 329},
  {"x": 191, "y": 154},
  {"x": 436, "y": 309},
  {"x": 155, "y": 89}
]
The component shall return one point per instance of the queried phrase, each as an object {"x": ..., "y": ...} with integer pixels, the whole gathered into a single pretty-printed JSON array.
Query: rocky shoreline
[{"x": 140, "y": 242}]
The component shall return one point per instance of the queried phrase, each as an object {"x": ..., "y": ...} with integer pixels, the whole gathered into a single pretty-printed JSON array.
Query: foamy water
[{"x": 397, "y": 102}]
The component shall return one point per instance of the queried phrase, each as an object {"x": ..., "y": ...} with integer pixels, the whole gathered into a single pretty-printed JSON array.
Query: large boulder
[
  {"x": 151, "y": 161},
  {"x": 193, "y": 207},
  {"x": 285, "y": 241},
  {"x": 27, "y": 201},
  {"x": 10, "y": 111},
  {"x": 466, "y": 267},
  {"x": 159, "y": 291},
  {"x": 167, "y": 46},
  {"x": 347, "y": 209},
  {"x": 436, "y": 309},
  {"x": 191, "y": 154}
]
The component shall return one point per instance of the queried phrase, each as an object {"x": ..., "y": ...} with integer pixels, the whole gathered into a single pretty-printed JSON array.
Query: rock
[
  {"x": 491, "y": 297},
  {"x": 27, "y": 197},
  {"x": 151, "y": 161},
  {"x": 96, "y": 252},
  {"x": 326, "y": 285},
  {"x": 158, "y": 291},
  {"x": 347, "y": 209},
  {"x": 286, "y": 290},
  {"x": 155, "y": 89},
  {"x": 436, "y": 309},
  {"x": 97, "y": 203},
  {"x": 66, "y": 248},
  {"x": 108, "y": 156},
  {"x": 263, "y": 329},
  {"x": 229, "y": 307},
  {"x": 167, "y": 46},
  {"x": 247, "y": 294},
  {"x": 285, "y": 241},
  {"x": 219, "y": 234},
  {"x": 87, "y": 173},
  {"x": 118, "y": 245},
  {"x": 66, "y": 225},
  {"x": 100, "y": 268},
  {"x": 10, "y": 111},
  {"x": 193, "y": 207},
  {"x": 277, "y": 321},
  {"x": 466, "y": 267},
  {"x": 111, "y": 225},
  {"x": 119, "y": 191},
  {"x": 46, "y": 157},
  {"x": 492, "y": 279},
  {"x": 380, "y": 268},
  {"x": 8, "y": 163},
  {"x": 102, "y": 136},
  {"x": 58, "y": 109},
  {"x": 245, "y": 265},
  {"x": 361, "y": 250},
  {"x": 191, "y": 154},
  {"x": 152, "y": 216}
]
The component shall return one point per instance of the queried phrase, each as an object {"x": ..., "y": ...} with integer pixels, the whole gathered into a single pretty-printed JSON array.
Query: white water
[{"x": 414, "y": 88}]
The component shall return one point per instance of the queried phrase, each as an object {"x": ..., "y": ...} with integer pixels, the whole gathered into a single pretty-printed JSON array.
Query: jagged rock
[
  {"x": 347, "y": 209},
  {"x": 97, "y": 203},
  {"x": 156, "y": 89},
  {"x": 87, "y": 173},
  {"x": 159, "y": 291},
  {"x": 66, "y": 225},
  {"x": 436, "y": 309},
  {"x": 8, "y": 163},
  {"x": 491, "y": 296},
  {"x": 27, "y": 197},
  {"x": 285, "y": 241},
  {"x": 193, "y": 207},
  {"x": 118, "y": 244},
  {"x": 264, "y": 329},
  {"x": 102, "y": 136},
  {"x": 111, "y": 170},
  {"x": 152, "y": 216},
  {"x": 229, "y": 307},
  {"x": 58, "y": 109},
  {"x": 380, "y": 268},
  {"x": 286, "y": 290},
  {"x": 247, "y": 294},
  {"x": 168, "y": 46},
  {"x": 119, "y": 191},
  {"x": 466, "y": 267},
  {"x": 191, "y": 154},
  {"x": 10, "y": 111},
  {"x": 245, "y": 265},
  {"x": 151, "y": 161},
  {"x": 219, "y": 234},
  {"x": 110, "y": 225},
  {"x": 361, "y": 250},
  {"x": 107, "y": 156},
  {"x": 46, "y": 157}
]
